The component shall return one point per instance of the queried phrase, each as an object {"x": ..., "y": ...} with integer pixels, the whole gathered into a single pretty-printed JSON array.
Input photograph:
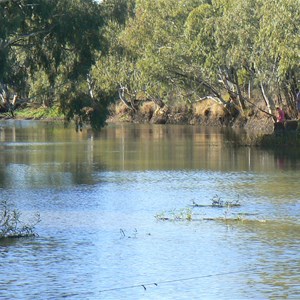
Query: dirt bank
[{"x": 207, "y": 113}]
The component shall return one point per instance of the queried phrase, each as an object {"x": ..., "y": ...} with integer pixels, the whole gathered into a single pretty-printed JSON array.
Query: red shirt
[{"x": 280, "y": 117}]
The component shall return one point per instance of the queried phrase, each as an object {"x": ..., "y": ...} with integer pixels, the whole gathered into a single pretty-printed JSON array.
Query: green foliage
[
  {"x": 279, "y": 35},
  {"x": 39, "y": 87},
  {"x": 205, "y": 48},
  {"x": 41, "y": 112},
  {"x": 48, "y": 44},
  {"x": 118, "y": 10},
  {"x": 155, "y": 40},
  {"x": 200, "y": 28},
  {"x": 82, "y": 52}
]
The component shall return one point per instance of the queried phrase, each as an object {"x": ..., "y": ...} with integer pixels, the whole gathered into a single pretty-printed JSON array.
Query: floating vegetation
[
  {"x": 187, "y": 214},
  {"x": 184, "y": 214},
  {"x": 218, "y": 202},
  {"x": 11, "y": 225},
  {"x": 180, "y": 216}
]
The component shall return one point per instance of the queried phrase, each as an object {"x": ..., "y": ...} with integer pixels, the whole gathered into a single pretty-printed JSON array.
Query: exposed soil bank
[{"x": 207, "y": 113}]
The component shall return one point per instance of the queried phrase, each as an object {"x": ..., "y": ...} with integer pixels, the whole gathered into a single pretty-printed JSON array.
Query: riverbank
[
  {"x": 258, "y": 125},
  {"x": 206, "y": 113}
]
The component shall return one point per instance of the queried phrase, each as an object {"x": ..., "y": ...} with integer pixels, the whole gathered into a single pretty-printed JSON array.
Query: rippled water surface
[{"x": 99, "y": 195}]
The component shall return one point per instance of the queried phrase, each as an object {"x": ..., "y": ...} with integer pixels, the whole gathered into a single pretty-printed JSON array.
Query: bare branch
[
  {"x": 15, "y": 42},
  {"x": 201, "y": 81},
  {"x": 122, "y": 95},
  {"x": 5, "y": 1}
]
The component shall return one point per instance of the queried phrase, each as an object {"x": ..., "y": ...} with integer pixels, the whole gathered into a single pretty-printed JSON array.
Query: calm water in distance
[{"x": 98, "y": 195}]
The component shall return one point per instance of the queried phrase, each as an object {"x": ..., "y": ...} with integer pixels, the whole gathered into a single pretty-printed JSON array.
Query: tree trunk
[
  {"x": 269, "y": 102},
  {"x": 240, "y": 96},
  {"x": 122, "y": 96}
]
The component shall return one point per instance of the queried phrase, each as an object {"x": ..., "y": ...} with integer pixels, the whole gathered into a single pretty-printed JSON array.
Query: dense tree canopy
[
  {"x": 81, "y": 53},
  {"x": 245, "y": 50},
  {"x": 49, "y": 46}
]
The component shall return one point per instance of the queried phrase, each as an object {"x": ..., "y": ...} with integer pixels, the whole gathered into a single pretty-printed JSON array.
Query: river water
[{"x": 99, "y": 196}]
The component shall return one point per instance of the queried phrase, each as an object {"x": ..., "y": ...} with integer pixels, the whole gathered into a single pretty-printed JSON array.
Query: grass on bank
[{"x": 38, "y": 113}]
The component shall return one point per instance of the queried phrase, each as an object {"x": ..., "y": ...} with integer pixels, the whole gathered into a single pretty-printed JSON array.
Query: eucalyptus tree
[
  {"x": 277, "y": 49},
  {"x": 221, "y": 36},
  {"x": 222, "y": 49},
  {"x": 151, "y": 49},
  {"x": 48, "y": 45},
  {"x": 113, "y": 67},
  {"x": 236, "y": 27},
  {"x": 245, "y": 46},
  {"x": 177, "y": 46},
  {"x": 118, "y": 10}
]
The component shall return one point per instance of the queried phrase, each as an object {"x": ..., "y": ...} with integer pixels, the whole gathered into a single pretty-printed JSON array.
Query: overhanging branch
[
  {"x": 201, "y": 81},
  {"x": 5, "y": 1}
]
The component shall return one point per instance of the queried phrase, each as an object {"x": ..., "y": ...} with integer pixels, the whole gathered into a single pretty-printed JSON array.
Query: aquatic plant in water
[
  {"x": 187, "y": 214},
  {"x": 217, "y": 202},
  {"x": 11, "y": 225},
  {"x": 184, "y": 214},
  {"x": 123, "y": 234}
]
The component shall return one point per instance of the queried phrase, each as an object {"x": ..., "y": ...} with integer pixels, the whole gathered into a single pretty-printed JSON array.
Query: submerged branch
[{"x": 11, "y": 225}]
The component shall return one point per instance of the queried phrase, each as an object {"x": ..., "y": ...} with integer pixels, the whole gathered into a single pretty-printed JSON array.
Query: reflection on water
[{"x": 98, "y": 194}]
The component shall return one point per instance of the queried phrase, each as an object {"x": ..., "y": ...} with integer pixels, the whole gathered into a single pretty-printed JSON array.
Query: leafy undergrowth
[
  {"x": 39, "y": 113},
  {"x": 11, "y": 225}
]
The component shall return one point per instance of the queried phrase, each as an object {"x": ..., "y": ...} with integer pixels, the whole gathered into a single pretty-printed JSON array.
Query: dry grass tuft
[
  {"x": 208, "y": 108},
  {"x": 147, "y": 108}
]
